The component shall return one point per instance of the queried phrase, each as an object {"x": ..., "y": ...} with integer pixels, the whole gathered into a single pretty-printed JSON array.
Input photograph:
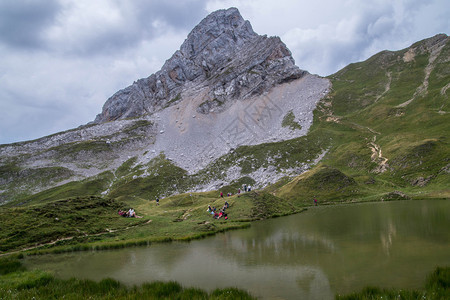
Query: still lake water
[{"x": 311, "y": 255}]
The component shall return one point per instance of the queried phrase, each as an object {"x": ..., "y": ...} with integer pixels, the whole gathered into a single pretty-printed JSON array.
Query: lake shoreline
[{"x": 52, "y": 247}]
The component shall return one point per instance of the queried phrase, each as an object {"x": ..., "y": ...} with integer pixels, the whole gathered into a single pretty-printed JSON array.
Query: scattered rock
[
  {"x": 420, "y": 181},
  {"x": 395, "y": 195},
  {"x": 445, "y": 169}
]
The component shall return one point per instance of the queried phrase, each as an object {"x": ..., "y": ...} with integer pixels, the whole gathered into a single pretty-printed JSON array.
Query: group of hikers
[
  {"x": 218, "y": 214},
  {"x": 221, "y": 213},
  {"x": 128, "y": 214},
  {"x": 247, "y": 188}
]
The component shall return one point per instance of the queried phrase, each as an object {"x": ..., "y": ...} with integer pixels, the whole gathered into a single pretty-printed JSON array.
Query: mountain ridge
[
  {"x": 336, "y": 126},
  {"x": 224, "y": 88}
]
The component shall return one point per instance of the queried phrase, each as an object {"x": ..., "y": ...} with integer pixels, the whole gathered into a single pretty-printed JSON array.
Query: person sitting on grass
[
  {"x": 222, "y": 214},
  {"x": 122, "y": 213},
  {"x": 132, "y": 214}
]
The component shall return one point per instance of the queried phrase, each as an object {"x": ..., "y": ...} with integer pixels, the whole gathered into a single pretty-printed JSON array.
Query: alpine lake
[{"x": 316, "y": 254}]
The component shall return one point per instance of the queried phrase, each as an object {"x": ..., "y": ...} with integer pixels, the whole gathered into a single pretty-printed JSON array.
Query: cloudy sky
[{"x": 61, "y": 59}]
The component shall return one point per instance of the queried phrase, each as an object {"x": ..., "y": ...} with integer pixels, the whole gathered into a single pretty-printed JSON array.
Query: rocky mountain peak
[
  {"x": 223, "y": 55},
  {"x": 223, "y": 25}
]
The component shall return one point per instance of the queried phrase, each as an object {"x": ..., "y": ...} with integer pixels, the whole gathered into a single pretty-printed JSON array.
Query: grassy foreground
[
  {"x": 437, "y": 286},
  {"x": 17, "y": 283}
]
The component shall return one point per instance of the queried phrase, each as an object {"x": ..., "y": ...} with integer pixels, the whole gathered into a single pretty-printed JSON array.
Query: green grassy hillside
[
  {"x": 92, "y": 222},
  {"x": 388, "y": 118}
]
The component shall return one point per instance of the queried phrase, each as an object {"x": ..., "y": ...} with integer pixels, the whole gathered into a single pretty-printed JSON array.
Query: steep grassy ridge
[{"x": 388, "y": 119}]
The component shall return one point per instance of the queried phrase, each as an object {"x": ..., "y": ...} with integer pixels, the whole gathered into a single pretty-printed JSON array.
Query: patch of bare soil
[{"x": 377, "y": 156}]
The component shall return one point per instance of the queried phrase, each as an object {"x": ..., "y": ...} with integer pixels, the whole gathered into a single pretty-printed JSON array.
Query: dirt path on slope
[
  {"x": 387, "y": 87},
  {"x": 377, "y": 156}
]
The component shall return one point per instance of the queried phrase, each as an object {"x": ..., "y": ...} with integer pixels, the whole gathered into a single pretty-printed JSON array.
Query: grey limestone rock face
[{"x": 222, "y": 54}]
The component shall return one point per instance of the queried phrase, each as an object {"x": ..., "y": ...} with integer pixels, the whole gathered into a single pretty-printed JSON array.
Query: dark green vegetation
[
  {"x": 289, "y": 121},
  {"x": 437, "y": 286},
  {"x": 382, "y": 131},
  {"x": 173, "y": 100},
  {"x": 19, "y": 181},
  {"x": 92, "y": 186},
  {"x": 75, "y": 219},
  {"x": 17, "y": 283}
]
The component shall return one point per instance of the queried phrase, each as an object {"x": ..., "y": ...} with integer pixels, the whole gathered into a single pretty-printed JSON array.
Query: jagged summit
[
  {"x": 223, "y": 54},
  {"x": 226, "y": 24}
]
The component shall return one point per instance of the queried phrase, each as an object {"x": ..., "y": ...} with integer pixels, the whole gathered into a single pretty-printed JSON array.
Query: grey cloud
[
  {"x": 29, "y": 118},
  {"x": 140, "y": 17},
  {"x": 31, "y": 123},
  {"x": 368, "y": 30},
  {"x": 179, "y": 14},
  {"x": 22, "y": 22}
]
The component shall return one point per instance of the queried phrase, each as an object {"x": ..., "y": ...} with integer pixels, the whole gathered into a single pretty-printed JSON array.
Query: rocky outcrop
[
  {"x": 421, "y": 181},
  {"x": 221, "y": 54},
  {"x": 395, "y": 195}
]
